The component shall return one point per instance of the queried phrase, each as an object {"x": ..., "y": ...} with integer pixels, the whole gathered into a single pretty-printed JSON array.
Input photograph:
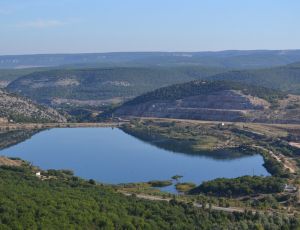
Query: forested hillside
[
  {"x": 88, "y": 91},
  {"x": 9, "y": 75},
  {"x": 285, "y": 78},
  {"x": 102, "y": 87},
  {"x": 99, "y": 85},
  {"x": 63, "y": 201},
  {"x": 195, "y": 88}
]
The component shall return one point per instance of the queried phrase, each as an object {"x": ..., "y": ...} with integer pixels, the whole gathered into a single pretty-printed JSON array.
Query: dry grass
[{"x": 9, "y": 162}]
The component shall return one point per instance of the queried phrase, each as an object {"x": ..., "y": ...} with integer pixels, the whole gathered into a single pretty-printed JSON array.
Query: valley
[
  {"x": 216, "y": 140},
  {"x": 175, "y": 135},
  {"x": 115, "y": 157},
  {"x": 149, "y": 115},
  {"x": 84, "y": 91},
  {"x": 198, "y": 138}
]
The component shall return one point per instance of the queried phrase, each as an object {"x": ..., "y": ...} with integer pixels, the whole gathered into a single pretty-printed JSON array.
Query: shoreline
[
  {"x": 16, "y": 126},
  {"x": 120, "y": 123}
]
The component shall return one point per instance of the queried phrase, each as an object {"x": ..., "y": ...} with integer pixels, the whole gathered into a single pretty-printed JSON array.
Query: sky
[{"x": 91, "y": 26}]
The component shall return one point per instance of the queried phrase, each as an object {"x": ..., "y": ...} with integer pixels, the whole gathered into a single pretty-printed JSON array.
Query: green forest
[
  {"x": 64, "y": 201},
  {"x": 240, "y": 186},
  {"x": 285, "y": 78}
]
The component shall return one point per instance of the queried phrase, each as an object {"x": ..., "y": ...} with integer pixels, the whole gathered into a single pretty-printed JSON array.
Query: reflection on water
[
  {"x": 12, "y": 137},
  {"x": 186, "y": 147},
  {"x": 112, "y": 156}
]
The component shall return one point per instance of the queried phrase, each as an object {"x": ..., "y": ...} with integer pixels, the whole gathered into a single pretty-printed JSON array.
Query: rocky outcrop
[
  {"x": 225, "y": 105},
  {"x": 19, "y": 109}
]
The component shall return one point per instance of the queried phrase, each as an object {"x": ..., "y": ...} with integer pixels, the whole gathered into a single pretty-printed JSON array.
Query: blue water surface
[{"x": 112, "y": 156}]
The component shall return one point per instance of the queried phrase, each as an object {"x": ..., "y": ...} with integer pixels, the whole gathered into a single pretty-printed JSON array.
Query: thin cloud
[{"x": 41, "y": 24}]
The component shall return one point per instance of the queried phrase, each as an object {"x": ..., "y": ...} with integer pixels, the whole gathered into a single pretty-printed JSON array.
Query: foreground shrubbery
[
  {"x": 160, "y": 183},
  {"x": 240, "y": 186},
  {"x": 68, "y": 202}
]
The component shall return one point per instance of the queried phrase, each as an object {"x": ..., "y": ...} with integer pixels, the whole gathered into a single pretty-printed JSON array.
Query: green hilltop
[
  {"x": 285, "y": 78},
  {"x": 198, "y": 87}
]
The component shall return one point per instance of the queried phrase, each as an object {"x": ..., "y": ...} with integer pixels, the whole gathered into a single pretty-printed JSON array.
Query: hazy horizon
[
  {"x": 75, "y": 26},
  {"x": 112, "y": 52}
]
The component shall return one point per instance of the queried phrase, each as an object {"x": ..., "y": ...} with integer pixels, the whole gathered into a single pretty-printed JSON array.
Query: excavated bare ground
[{"x": 9, "y": 162}]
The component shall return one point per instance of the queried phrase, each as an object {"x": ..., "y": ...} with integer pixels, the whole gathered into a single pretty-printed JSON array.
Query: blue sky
[{"x": 71, "y": 26}]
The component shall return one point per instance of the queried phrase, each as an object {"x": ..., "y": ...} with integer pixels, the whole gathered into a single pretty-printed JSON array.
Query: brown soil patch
[
  {"x": 9, "y": 162},
  {"x": 295, "y": 144}
]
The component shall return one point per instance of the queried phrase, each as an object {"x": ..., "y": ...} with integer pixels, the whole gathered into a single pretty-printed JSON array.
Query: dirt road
[
  {"x": 16, "y": 126},
  {"x": 197, "y": 205}
]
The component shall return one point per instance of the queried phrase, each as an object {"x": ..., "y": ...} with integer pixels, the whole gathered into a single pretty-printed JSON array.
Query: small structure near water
[
  {"x": 290, "y": 188},
  {"x": 221, "y": 125}
]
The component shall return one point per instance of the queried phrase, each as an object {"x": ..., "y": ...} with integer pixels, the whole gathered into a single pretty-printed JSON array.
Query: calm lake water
[{"x": 112, "y": 156}]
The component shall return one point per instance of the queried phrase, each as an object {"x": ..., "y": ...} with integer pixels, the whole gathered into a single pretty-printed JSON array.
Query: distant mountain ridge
[{"x": 239, "y": 59}]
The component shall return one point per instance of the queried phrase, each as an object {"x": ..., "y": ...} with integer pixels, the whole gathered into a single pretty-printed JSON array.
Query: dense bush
[
  {"x": 246, "y": 185},
  {"x": 275, "y": 168},
  {"x": 26, "y": 202},
  {"x": 160, "y": 183}
]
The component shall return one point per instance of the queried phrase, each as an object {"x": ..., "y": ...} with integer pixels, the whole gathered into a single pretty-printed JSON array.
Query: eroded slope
[{"x": 215, "y": 100}]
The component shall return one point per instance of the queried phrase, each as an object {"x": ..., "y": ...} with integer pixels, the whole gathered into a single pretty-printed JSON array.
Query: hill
[
  {"x": 8, "y": 75},
  {"x": 215, "y": 100},
  {"x": 19, "y": 109},
  {"x": 285, "y": 78},
  {"x": 295, "y": 65},
  {"x": 225, "y": 59},
  {"x": 100, "y": 87}
]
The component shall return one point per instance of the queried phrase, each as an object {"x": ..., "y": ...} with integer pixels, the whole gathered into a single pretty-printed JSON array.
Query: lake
[{"x": 112, "y": 156}]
